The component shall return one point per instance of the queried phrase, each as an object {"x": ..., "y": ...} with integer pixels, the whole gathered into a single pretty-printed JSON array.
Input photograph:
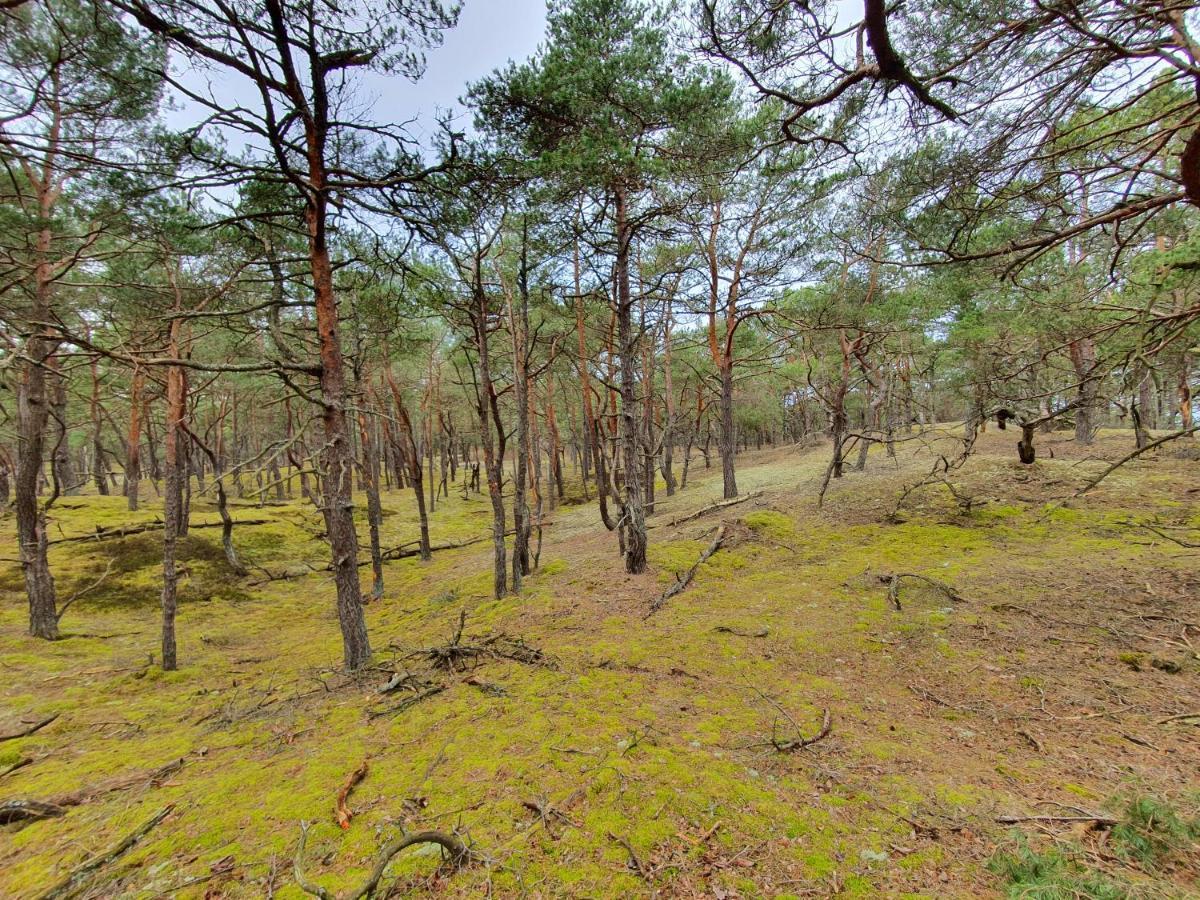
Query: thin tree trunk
[
  {"x": 133, "y": 453},
  {"x": 370, "y": 478},
  {"x": 633, "y": 515}
]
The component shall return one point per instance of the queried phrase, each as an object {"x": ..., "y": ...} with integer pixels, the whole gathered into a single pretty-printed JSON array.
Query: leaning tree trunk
[{"x": 634, "y": 516}]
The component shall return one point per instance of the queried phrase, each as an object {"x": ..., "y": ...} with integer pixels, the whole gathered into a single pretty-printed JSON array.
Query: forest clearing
[{"x": 599, "y": 449}]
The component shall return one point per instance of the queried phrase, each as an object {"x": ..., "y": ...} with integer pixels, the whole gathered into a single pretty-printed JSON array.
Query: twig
[
  {"x": 801, "y": 741},
  {"x": 1182, "y": 717},
  {"x": 407, "y": 703},
  {"x": 725, "y": 629},
  {"x": 634, "y": 862}
]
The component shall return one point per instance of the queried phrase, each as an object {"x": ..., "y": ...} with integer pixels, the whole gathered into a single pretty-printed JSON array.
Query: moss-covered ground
[{"x": 1060, "y": 687}]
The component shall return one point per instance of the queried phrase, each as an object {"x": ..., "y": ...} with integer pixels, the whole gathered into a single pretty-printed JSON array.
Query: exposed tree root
[
  {"x": 455, "y": 852},
  {"x": 81, "y": 875},
  {"x": 682, "y": 583}
]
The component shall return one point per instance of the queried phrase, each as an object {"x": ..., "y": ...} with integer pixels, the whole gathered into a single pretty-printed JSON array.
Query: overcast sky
[{"x": 488, "y": 35}]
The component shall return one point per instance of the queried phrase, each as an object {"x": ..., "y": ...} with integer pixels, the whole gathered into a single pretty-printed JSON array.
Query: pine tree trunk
[
  {"x": 633, "y": 514},
  {"x": 728, "y": 431},
  {"x": 336, "y": 462}
]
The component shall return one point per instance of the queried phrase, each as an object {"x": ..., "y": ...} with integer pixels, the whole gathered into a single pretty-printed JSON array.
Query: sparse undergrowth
[{"x": 643, "y": 762}]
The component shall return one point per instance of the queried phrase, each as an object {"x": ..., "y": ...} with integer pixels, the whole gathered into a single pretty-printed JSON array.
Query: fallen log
[
  {"x": 682, "y": 583},
  {"x": 28, "y": 811},
  {"x": 706, "y": 510}
]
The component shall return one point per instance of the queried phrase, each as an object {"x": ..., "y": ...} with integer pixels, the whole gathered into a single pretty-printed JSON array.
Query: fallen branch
[
  {"x": 457, "y": 854},
  {"x": 84, "y": 873},
  {"x": 28, "y": 811},
  {"x": 407, "y": 703},
  {"x": 25, "y": 732},
  {"x": 123, "y": 531},
  {"x": 1134, "y": 454},
  {"x": 800, "y": 742},
  {"x": 634, "y": 862},
  {"x": 84, "y": 591},
  {"x": 343, "y": 813},
  {"x": 1182, "y": 717},
  {"x": 716, "y": 506},
  {"x": 893, "y": 583},
  {"x": 23, "y": 810},
  {"x": 725, "y": 629},
  {"x": 457, "y": 654},
  {"x": 1102, "y": 821},
  {"x": 682, "y": 583},
  {"x": 12, "y": 767}
]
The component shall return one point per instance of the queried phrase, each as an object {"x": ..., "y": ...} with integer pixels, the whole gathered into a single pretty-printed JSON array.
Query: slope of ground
[{"x": 635, "y": 755}]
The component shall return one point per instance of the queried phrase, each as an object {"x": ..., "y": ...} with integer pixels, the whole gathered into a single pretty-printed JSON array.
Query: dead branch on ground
[
  {"x": 103, "y": 533},
  {"x": 800, "y": 741},
  {"x": 893, "y": 582},
  {"x": 682, "y": 583},
  {"x": 726, "y": 629},
  {"x": 1133, "y": 454},
  {"x": 1100, "y": 821},
  {"x": 455, "y": 853},
  {"x": 24, "y": 810},
  {"x": 31, "y": 729},
  {"x": 341, "y": 810},
  {"x": 716, "y": 506},
  {"x": 84, "y": 873}
]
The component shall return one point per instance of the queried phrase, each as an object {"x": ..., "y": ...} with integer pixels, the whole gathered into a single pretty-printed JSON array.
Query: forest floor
[{"x": 637, "y": 756}]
